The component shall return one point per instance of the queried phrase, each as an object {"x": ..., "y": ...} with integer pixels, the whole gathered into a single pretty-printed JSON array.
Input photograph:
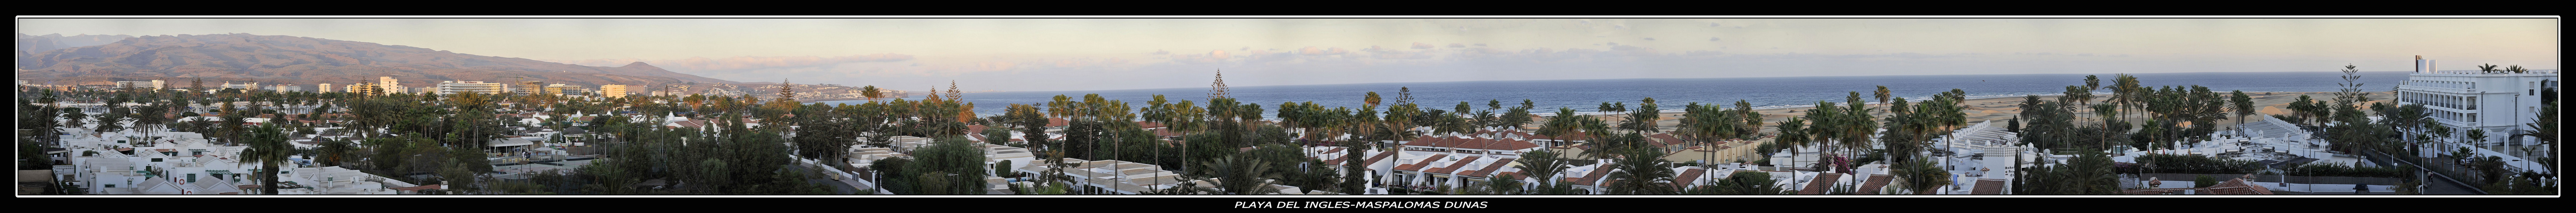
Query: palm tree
[
  {"x": 1921, "y": 176},
  {"x": 1372, "y": 99},
  {"x": 1544, "y": 166},
  {"x": 2544, "y": 129},
  {"x": 2243, "y": 104},
  {"x": 1882, "y": 94},
  {"x": 1562, "y": 125},
  {"x": 1642, "y": 170},
  {"x": 2477, "y": 136},
  {"x": 269, "y": 149},
  {"x": 1792, "y": 135},
  {"x": 2126, "y": 91}
]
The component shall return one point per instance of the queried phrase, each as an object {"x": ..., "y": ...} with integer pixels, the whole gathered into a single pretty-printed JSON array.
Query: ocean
[{"x": 1585, "y": 95}]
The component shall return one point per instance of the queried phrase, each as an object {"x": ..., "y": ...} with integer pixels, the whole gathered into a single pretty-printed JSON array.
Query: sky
[{"x": 1061, "y": 54}]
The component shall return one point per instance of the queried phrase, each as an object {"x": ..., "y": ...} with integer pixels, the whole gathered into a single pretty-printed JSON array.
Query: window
[
  {"x": 192, "y": 178},
  {"x": 110, "y": 186},
  {"x": 156, "y": 160}
]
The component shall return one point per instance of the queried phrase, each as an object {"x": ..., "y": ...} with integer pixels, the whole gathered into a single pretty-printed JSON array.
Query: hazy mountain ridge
[
  {"x": 304, "y": 60},
  {"x": 41, "y": 43}
]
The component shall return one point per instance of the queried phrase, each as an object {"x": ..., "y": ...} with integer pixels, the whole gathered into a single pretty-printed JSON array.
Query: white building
[
  {"x": 454, "y": 87},
  {"x": 324, "y": 87},
  {"x": 2499, "y": 102},
  {"x": 286, "y": 88}
]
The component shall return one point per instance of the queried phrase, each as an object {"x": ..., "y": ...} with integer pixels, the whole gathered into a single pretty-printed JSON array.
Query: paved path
[
  {"x": 2437, "y": 184},
  {"x": 841, "y": 187}
]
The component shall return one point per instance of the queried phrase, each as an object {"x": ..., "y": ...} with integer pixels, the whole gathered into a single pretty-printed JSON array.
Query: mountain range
[
  {"x": 30, "y": 44},
  {"x": 277, "y": 59}
]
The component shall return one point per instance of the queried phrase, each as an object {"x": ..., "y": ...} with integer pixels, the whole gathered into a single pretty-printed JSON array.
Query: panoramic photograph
[{"x": 1287, "y": 107}]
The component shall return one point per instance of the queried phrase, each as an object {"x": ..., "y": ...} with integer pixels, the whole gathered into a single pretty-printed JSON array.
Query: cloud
[
  {"x": 1321, "y": 51},
  {"x": 1712, "y": 24},
  {"x": 1457, "y": 45},
  {"x": 2086, "y": 54},
  {"x": 1420, "y": 45},
  {"x": 1650, "y": 38},
  {"x": 1220, "y": 54},
  {"x": 703, "y": 64},
  {"x": 1161, "y": 52},
  {"x": 1480, "y": 44},
  {"x": 1247, "y": 48},
  {"x": 1712, "y": 38}
]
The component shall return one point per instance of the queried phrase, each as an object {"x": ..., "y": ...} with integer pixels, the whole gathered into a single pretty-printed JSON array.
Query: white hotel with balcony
[{"x": 2499, "y": 102}]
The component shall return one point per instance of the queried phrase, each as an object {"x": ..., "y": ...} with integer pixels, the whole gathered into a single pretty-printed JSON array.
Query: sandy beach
[{"x": 2000, "y": 109}]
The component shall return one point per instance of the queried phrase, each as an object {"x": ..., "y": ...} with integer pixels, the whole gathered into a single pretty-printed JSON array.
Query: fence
[{"x": 2280, "y": 178}]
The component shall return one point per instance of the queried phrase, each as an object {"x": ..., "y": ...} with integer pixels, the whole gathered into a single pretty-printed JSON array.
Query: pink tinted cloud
[{"x": 1420, "y": 45}]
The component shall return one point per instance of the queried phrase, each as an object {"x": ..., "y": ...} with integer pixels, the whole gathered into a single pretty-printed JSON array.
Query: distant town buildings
[
  {"x": 241, "y": 86},
  {"x": 524, "y": 88},
  {"x": 456, "y": 87},
  {"x": 561, "y": 89},
  {"x": 286, "y": 88},
  {"x": 612, "y": 90},
  {"x": 324, "y": 88},
  {"x": 154, "y": 84}
]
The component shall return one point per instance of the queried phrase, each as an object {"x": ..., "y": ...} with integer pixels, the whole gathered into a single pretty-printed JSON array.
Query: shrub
[{"x": 2204, "y": 181}]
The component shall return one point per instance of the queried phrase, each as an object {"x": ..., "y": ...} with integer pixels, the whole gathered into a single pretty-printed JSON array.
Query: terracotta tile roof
[
  {"x": 1587, "y": 179},
  {"x": 1381, "y": 156},
  {"x": 975, "y": 129},
  {"x": 1665, "y": 139},
  {"x": 1167, "y": 132},
  {"x": 1149, "y": 124},
  {"x": 1056, "y": 122},
  {"x": 1472, "y": 143},
  {"x": 1822, "y": 182},
  {"x": 1426, "y": 161},
  {"x": 1453, "y": 167},
  {"x": 1511, "y": 173},
  {"x": 1687, "y": 177},
  {"x": 1489, "y": 169},
  {"x": 1569, "y": 137},
  {"x": 1988, "y": 187},
  {"x": 1875, "y": 182}
]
